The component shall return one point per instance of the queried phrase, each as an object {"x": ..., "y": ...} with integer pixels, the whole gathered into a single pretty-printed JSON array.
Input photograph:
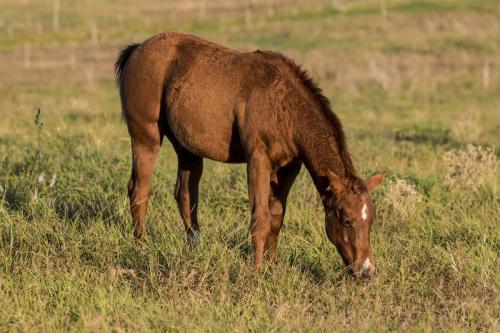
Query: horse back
[{"x": 216, "y": 101}]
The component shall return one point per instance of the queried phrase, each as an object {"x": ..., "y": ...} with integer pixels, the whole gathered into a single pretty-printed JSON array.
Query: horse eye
[{"x": 346, "y": 222}]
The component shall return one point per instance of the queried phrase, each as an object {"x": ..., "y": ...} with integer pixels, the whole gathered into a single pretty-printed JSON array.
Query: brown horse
[{"x": 257, "y": 108}]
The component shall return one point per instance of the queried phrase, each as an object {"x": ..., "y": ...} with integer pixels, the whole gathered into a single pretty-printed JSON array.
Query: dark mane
[{"x": 317, "y": 94}]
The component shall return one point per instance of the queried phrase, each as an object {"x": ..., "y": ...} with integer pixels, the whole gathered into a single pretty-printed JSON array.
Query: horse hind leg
[
  {"x": 142, "y": 85},
  {"x": 146, "y": 141},
  {"x": 189, "y": 174}
]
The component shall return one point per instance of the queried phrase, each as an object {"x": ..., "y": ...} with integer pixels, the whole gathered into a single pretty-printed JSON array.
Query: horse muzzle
[{"x": 365, "y": 270}]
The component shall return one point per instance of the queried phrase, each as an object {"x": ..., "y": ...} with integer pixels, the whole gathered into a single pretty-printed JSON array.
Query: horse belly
[{"x": 206, "y": 130}]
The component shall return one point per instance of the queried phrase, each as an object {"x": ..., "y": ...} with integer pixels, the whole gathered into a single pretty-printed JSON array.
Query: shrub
[
  {"x": 471, "y": 167},
  {"x": 403, "y": 198}
]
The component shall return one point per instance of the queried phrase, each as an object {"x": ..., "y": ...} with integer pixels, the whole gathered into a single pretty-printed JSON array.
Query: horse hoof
[{"x": 193, "y": 237}]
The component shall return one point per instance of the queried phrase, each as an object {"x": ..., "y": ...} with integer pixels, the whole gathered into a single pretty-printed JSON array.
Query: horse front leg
[
  {"x": 259, "y": 189},
  {"x": 277, "y": 202}
]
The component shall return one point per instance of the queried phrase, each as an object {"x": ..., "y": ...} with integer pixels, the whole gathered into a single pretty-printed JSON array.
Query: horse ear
[
  {"x": 335, "y": 184},
  {"x": 374, "y": 181}
]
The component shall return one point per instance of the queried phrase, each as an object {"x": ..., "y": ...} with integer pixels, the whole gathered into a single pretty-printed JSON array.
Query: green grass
[{"x": 406, "y": 96}]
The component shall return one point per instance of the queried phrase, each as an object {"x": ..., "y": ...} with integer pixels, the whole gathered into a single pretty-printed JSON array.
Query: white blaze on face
[{"x": 364, "y": 212}]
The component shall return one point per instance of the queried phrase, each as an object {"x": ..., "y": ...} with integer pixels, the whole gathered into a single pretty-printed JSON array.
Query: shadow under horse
[{"x": 258, "y": 108}]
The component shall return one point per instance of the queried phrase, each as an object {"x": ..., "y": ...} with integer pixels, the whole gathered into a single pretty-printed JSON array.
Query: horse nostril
[
  {"x": 368, "y": 273},
  {"x": 366, "y": 270},
  {"x": 363, "y": 271}
]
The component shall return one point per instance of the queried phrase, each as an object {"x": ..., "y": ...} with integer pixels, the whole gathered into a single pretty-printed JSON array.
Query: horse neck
[{"x": 321, "y": 151}]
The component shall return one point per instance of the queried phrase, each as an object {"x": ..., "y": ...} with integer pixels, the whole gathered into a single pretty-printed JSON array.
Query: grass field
[{"x": 416, "y": 86}]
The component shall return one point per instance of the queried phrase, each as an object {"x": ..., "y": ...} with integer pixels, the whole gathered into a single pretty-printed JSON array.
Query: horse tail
[
  {"x": 120, "y": 66},
  {"x": 122, "y": 61}
]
